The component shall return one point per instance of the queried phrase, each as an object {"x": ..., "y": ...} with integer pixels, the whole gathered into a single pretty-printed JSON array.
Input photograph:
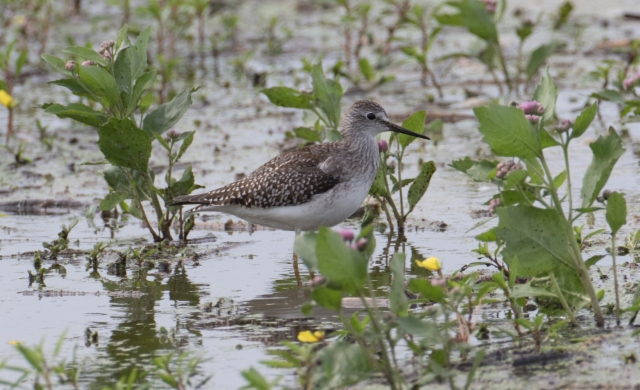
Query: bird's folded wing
[{"x": 284, "y": 181}]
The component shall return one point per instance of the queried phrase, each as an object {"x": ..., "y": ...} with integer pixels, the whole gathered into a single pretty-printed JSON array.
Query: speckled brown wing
[{"x": 292, "y": 178}]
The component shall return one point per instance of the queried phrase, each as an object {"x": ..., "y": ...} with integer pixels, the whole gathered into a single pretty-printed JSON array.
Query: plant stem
[
  {"x": 572, "y": 318},
  {"x": 503, "y": 64},
  {"x": 390, "y": 372},
  {"x": 574, "y": 250},
  {"x": 400, "y": 154},
  {"x": 615, "y": 277},
  {"x": 166, "y": 234},
  {"x": 565, "y": 151}
]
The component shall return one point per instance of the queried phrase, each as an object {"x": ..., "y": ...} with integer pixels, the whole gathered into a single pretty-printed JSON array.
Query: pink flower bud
[
  {"x": 532, "y": 118},
  {"x": 70, "y": 65},
  {"x": 172, "y": 134},
  {"x": 531, "y": 108},
  {"x": 88, "y": 63},
  {"x": 347, "y": 234},
  {"x": 494, "y": 204},
  {"x": 490, "y": 5},
  {"x": 565, "y": 125},
  {"x": 383, "y": 146},
  {"x": 317, "y": 281},
  {"x": 361, "y": 244}
]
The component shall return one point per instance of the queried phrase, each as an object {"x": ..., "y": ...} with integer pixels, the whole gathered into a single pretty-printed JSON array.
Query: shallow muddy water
[{"x": 234, "y": 293}]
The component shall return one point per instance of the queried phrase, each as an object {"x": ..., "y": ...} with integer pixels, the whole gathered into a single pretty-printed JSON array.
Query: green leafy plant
[
  {"x": 179, "y": 373},
  {"x": 117, "y": 78},
  {"x": 389, "y": 180},
  {"x": 47, "y": 372},
  {"x": 533, "y": 226},
  {"x": 481, "y": 19},
  {"x": 418, "y": 18},
  {"x": 369, "y": 341},
  {"x": 323, "y": 101},
  {"x": 616, "y": 215},
  {"x": 10, "y": 75}
]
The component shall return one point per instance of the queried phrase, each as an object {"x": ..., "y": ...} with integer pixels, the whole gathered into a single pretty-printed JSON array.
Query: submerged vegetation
[{"x": 395, "y": 317}]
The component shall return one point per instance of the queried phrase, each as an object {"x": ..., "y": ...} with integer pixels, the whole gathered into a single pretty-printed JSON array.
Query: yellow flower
[
  {"x": 13, "y": 342},
  {"x": 6, "y": 99},
  {"x": 432, "y": 264},
  {"x": 308, "y": 337}
]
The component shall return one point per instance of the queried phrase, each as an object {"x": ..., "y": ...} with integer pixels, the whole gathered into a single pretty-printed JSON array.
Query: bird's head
[{"x": 367, "y": 118}]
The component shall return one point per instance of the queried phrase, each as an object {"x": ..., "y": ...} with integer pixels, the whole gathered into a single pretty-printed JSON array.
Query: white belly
[{"x": 327, "y": 209}]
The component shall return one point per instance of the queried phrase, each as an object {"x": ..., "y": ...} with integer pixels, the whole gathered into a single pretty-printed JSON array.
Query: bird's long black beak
[{"x": 400, "y": 129}]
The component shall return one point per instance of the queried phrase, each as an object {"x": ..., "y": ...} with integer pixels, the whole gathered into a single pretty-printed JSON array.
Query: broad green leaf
[
  {"x": 86, "y": 53},
  {"x": 526, "y": 290},
  {"x": 117, "y": 180},
  {"x": 122, "y": 37},
  {"x": 101, "y": 83},
  {"x": 593, "y": 260},
  {"x": 124, "y": 145},
  {"x": 464, "y": 164},
  {"x": 498, "y": 277},
  {"x": 366, "y": 69},
  {"x": 327, "y": 298},
  {"x": 328, "y": 94},
  {"x": 547, "y": 140},
  {"x": 135, "y": 209},
  {"x": 56, "y": 63},
  {"x": 583, "y": 121},
  {"x": 515, "y": 178},
  {"x": 188, "y": 140},
  {"x": 616, "y": 211},
  {"x": 414, "y": 123},
  {"x": 450, "y": 19},
  {"x": 559, "y": 180},
  {"x": 609, "y": 95},
  {"x": 167, "y": 115},
  {"x": 546, "y": 93},
  {"x": 122, "y": 71},
  {"x": 112, "y": 200},
  {"x": 20, "y": 62},
  {"x": 538, "y": 58},
  {"x": 140, "y": 87},
  {"x": 72, "y": 85},
  {"x": 340, "y": 365},
  {"x": 288, "y": 97},
  {"x": 420, "y": 328},
  {"x": 507, "y": 131},
  {"x": 305, "y": 247},
  {"x": 78, "y": 112},
  {"x": 397, "y": 297},
  {"x": 184, "y": 186},
  {"x": 255, "y": 379},
  {"x": 339, "y": 263},
  {"x": 538, "y": 237},
  {"x": 427, "y": 290},
  {"x": 401, "y": 184},
  {"x": 307, "y": 134},
  {"x": 483, "y": 170},
  {"x": 378, "y": 188},
  {"x": 488, "y": 236},
  {"x": 535, "y": 170},
  {"x": 420, "y": 184},
  {"x": 139, "y": 55},
  {"x": 606, "y": 152},
  {"x": 474, "y": 16}
]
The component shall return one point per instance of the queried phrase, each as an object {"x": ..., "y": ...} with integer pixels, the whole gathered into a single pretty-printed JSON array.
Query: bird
[{"x": 305, "y": 188}]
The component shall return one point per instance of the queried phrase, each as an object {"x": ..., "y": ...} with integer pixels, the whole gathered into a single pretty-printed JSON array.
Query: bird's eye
[{"x": 371, "y": 116}]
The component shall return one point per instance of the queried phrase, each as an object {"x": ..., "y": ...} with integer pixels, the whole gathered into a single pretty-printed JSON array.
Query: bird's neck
[{"x": 364, "y": 152}]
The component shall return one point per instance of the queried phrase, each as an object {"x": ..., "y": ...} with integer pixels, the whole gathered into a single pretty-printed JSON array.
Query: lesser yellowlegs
[{"x": 317, "y": 185}]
